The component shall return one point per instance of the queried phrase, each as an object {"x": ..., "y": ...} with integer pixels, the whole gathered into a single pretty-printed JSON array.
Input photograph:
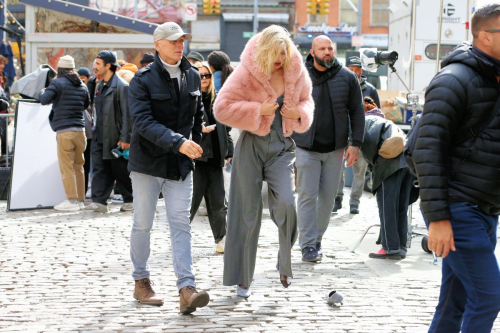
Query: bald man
[{"x": 322, "y": 149}]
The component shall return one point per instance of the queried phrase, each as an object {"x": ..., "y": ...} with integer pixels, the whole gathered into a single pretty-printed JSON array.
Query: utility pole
[
  {"x": 359, "y": 17},
  {"x": 255, "y": 17}
]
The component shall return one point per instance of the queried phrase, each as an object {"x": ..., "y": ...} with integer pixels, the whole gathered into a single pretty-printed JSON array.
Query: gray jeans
[
  {"x": 318, "y": 177},
  {"x": 358, "y": 181},
  {"x": 177, "y": 196}
]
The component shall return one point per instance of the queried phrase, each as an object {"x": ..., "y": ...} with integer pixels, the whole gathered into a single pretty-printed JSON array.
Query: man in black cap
[
  {"x": 112, "y": 128},
  {"x": 146, "y": 59},
  {"x": 358, "y": 169},
  {"x": 194, "y": 57},
  {"x": 84, "y": 74}
]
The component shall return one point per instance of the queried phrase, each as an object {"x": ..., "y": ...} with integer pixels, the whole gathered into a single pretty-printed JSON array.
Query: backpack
[{"x": 469, "y": 133}]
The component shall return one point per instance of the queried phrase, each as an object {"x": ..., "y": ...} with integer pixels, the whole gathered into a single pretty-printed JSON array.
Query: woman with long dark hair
[
  {"x": 208, "y": 179},
  {"x": 220, "y": 65}
]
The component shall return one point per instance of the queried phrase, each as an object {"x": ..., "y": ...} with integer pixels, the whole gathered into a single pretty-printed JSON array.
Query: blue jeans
[
  {"x": 177, "y": 196},
  {"x": 470, "y": 291}
]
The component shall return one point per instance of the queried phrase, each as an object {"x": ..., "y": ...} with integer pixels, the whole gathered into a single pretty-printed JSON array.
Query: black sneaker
[
  {"x": 337, "y": 205},
  {"x": 320, "y": 251},
  {"x": 354, "y": 209},
  {"x": 310, "y": 254}
]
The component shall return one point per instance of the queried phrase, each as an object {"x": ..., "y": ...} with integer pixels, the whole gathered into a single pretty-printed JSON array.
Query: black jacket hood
[
  {"x": 463, "y": 54},
  {"x": 74, "y": 79}
]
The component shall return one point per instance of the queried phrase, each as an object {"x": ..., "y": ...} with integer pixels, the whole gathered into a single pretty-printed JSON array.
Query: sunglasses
[
  {"x": 205, "y": 76},
  {"x": 493, "y": 30}
]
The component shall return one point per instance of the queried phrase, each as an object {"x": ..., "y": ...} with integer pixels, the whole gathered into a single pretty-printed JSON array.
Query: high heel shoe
[
  {"x": 243, "y": 292},
  {"x": 284, "y": 281}
]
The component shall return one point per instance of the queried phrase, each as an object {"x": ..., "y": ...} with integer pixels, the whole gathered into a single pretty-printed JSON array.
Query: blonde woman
[
  {"x": 217, "y": 145},
  {"x": 268, "y": 96}
]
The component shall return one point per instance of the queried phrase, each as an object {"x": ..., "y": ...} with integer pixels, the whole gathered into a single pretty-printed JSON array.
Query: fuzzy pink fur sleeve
[
  {"x": 232, "y": 106},
  {"x": 305, "y": 104}
]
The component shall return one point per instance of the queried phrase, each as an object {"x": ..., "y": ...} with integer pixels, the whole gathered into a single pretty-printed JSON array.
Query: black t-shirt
[{"x": 324, "y": 133}]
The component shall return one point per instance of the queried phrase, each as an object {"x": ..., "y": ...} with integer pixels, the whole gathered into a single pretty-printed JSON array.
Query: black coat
[
  {"x": 225, "y": 141},
  {"x": 161, "y": 123},
  {"x": 463, "y": 92},
  {"x": 347, "y": 108},
  {"x": 69, "y": 98},
  {"x": 369, "y": 90},
  {"x": 115, "y": 102}
]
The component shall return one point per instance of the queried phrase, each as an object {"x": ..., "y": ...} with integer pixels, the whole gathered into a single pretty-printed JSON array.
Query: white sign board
[
  {"x": 190, "y": 12},
  {"x": 36, "y": 179}
]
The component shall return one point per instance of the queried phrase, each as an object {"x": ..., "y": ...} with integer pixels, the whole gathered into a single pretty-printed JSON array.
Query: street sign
[
  {"x": 247, "y": 34},
  {"x": 190, "y": 12}
]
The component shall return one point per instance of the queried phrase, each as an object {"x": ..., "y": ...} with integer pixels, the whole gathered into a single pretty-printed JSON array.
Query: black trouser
[
  {"x": 105, "y": 173},
  {"x": 393, "y": 197},
  {"x": 3, "y": 134},
  {"x": 208, "y": 182},
  {"x": 86, "y": 166}
]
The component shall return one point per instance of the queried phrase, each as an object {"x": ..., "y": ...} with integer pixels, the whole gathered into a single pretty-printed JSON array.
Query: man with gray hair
[
  {"x": 457, "y": 159},
  {"x": 167, "y": 112}
]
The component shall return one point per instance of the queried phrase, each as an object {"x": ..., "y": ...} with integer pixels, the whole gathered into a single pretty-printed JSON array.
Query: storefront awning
[{"x": 94, "y": 14}]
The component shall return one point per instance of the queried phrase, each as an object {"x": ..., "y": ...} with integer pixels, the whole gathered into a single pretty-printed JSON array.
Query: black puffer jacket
[
  {"x": 347, "y": 107},
  {"x": 461, "y": 94},
  {"x": 69, "y": 97},
  {"x": 369, "y": 90}
]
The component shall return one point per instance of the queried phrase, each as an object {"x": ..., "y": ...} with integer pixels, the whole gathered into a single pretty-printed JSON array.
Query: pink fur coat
[{"x": 238, "y": 103}]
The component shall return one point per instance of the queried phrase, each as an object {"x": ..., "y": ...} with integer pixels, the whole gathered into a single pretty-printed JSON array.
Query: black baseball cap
[
  {"x": 353, "y": 61},
  {"x": 147, "y": 58},
  {"x": 84, "y": 71},
  {"x": 108, "y": 57}
]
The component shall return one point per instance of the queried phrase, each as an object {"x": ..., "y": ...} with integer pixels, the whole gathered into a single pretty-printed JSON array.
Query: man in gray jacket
[
  {"x": 112, "y": 128},
  {"x": 322, "y": 149}
]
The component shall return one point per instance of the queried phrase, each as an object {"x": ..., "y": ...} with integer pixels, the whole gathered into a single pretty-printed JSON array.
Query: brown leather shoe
[
  {"x": 192, "y": 299},
  {"x": 145, "y": 294}
]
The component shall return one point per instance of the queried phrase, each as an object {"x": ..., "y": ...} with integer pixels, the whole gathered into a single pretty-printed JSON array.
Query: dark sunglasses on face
[
  {"x": 493, "y": 30},
  {"x": 206, "y": 76}
]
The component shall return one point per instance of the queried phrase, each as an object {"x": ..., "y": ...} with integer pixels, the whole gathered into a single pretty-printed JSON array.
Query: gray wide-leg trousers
[
  {"x": 259, "y": 159},
  {"x": 318, "y": 177}
]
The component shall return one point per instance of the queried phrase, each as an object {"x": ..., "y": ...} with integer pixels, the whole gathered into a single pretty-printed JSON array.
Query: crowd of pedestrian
[{"x": 164, "y": 130}]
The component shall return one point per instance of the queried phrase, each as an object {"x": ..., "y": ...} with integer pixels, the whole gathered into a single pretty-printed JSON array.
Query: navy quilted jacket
[
  {"x": 462, "y": 92},
  {"x": 69, "y": 98}
]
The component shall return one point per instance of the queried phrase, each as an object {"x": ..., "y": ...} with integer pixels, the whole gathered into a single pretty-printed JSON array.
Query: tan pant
[{"x": 70, "y": 149}]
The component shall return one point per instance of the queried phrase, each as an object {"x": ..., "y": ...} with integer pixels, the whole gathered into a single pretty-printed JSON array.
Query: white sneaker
[
  {"x": 81, "y": 204},
  {"x": 96, "y": 207},
  {"x": 67, "y": 206},
  {"x": 117, "y": 199},
  {"x": 221, "y": 245},
  {"x": 88, "y": 195},
  {"x": 202, "y": 211}
]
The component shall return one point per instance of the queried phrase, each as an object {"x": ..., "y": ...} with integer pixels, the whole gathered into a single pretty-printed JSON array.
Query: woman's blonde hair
[
  {"x": 211, "y": 86},
  {"x": 271, "y": 42}
]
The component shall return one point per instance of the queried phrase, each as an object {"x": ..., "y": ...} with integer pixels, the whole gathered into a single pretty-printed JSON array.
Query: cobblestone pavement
[{"x": 70, "y": 272}]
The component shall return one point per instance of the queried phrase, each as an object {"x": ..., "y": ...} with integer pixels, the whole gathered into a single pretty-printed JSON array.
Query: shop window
[
  {"x": 84, "y": 57},
  {"x": 347, "y": 14},
  {"x": 50, "y": 21},
  {"x": 380, "y": 13}
]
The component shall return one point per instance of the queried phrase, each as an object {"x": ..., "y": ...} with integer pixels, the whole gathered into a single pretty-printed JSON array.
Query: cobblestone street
[{"x": 71, "y": 272}]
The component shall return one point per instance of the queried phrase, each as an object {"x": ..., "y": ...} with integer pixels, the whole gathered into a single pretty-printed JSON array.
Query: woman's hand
[
  {"x": 290, "y": 112},
  {"x": 268, "y": 108},
  {"x": 206, "y": 130},
  {"x": 228, "y": 161}
]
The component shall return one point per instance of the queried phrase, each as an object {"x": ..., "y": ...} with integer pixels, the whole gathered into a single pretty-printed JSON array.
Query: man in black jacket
[
  {"x": 320, "y": 150},
  {"x": 460, "y": 181},
  {"x": 167, "y": 111},
  {"x": 358, "y": 169},
  {"x": 112, "y": 128}
]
